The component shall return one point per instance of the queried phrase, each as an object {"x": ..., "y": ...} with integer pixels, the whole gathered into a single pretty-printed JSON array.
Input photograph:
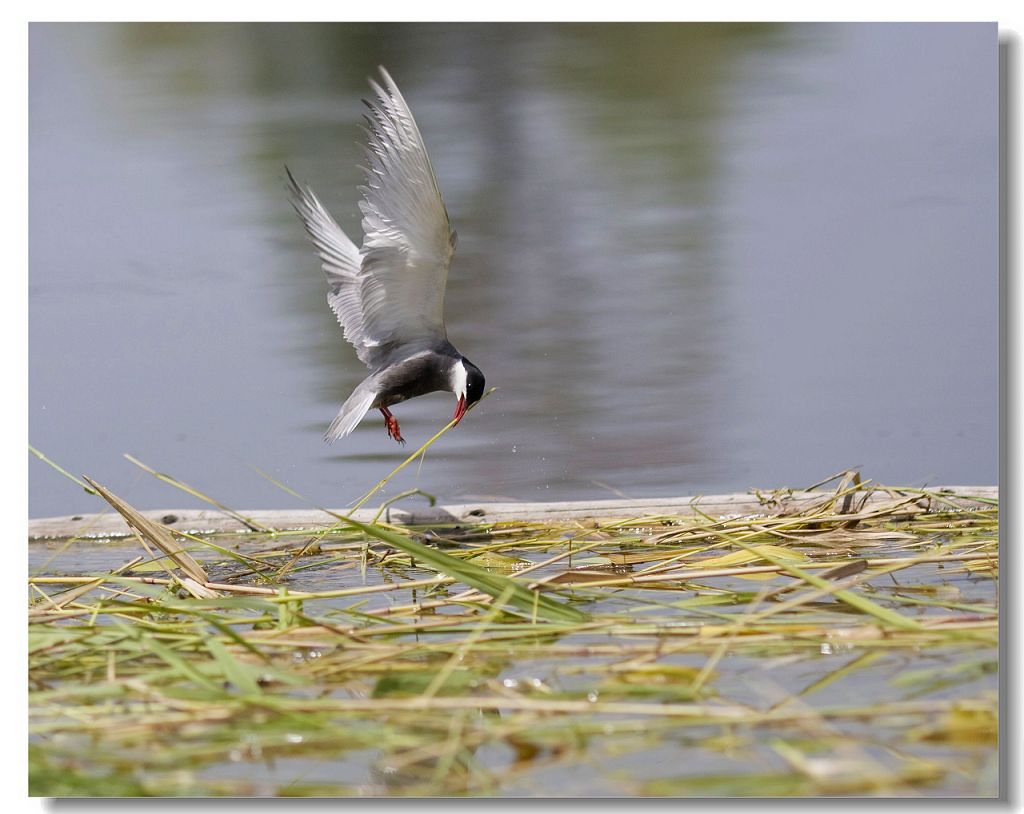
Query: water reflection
[{"x": 690, "y": 256}]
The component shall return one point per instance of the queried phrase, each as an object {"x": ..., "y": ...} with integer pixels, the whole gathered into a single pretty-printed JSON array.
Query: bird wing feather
[
  {"x": 340, "y": 262},
  {"x": 408, "y": 242},
  {"x": 388, "y": 295}
]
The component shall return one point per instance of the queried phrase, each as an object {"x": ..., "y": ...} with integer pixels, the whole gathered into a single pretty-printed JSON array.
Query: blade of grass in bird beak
[{"x": 426, "y": 445}]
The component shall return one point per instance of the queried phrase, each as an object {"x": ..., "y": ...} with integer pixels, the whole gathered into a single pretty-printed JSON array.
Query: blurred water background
[{"x": 692, "y": 258}]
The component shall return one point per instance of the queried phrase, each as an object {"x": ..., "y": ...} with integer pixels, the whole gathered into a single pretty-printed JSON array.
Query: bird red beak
[{"x": 460, "y": 410}]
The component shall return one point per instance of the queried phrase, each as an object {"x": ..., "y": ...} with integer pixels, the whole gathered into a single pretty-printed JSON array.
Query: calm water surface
[{"x": 691, "y": 258}]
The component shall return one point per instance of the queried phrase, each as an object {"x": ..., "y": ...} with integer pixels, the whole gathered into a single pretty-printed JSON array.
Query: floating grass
[
  {"x": 840, "y": 649},
  {"x": 529, "y": 601}
]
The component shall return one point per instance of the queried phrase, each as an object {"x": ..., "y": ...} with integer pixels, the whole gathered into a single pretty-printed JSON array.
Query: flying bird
[{"x": 388, "y": 295}]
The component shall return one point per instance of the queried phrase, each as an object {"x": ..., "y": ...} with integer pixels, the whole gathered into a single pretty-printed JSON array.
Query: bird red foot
[{"x": 392, "y": 424}]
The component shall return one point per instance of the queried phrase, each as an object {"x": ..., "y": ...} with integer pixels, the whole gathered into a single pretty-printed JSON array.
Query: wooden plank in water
[{"x": 109, "y": 524}]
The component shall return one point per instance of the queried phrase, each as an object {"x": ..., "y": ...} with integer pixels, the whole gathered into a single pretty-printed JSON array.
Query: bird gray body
[
  {"x": 423, "y": 372},
  {"x": 388, "y": 295}
]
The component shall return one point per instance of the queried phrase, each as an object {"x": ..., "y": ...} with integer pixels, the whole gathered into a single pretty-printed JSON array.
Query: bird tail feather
[{"x": 350, "y": 414}]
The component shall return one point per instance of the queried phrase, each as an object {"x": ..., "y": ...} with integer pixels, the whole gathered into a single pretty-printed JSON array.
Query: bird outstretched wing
[
  {"x": 341, "y": 263},
  {"x": 407, "y": 242},
  {"x": 389, "y": 294}
]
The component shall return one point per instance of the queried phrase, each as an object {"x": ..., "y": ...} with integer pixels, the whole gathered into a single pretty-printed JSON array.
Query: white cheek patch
[{"x": 457, "y": 379}]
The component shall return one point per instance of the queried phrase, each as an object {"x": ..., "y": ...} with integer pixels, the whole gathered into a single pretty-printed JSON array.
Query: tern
[{"x": 388, "y": 296}]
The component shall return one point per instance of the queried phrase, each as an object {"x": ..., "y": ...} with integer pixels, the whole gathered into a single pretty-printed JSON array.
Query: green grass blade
[
  {"x": 240, "y": 674},
  {"x": 183, "y": 667},
  {"x": 417, "y": 454},
  {"x": 191, "y": 490},
  {"x": 60, "y": 469},
  {"x": 495, "y": 585},
  {"x": 852, "y": 599}
]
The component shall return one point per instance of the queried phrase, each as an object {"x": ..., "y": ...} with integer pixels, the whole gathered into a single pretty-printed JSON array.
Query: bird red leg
[{"x": 392, "y": 424}]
